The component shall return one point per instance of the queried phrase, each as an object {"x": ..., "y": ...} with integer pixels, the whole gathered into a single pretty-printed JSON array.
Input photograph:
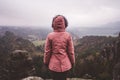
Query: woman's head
[{"x": 59, "y": 21}]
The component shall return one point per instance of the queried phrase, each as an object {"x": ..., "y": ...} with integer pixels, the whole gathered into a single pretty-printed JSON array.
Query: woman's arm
[
  {"x": 70, "y": 51},
  {"x": 47, "y": 53}
]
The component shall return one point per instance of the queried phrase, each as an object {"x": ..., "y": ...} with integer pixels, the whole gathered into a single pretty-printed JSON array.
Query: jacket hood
[
  {"x": 59, "y": 24},
  {"x": 58, "y": 29}
]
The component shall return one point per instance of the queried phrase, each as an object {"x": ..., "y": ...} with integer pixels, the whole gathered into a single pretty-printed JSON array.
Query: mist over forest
[{"x": 111, "y": 29}]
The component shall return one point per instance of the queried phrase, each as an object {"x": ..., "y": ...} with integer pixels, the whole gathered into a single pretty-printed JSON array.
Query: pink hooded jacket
[{"x": 59, "y": 51}]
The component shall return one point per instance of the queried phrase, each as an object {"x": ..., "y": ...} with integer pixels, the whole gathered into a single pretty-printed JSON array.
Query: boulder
[
  {"x": 21, "y": 65},
  {"x": 33, "y": 78}
]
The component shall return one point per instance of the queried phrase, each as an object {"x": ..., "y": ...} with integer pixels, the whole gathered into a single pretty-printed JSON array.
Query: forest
[{"x": 97, "y": 58}]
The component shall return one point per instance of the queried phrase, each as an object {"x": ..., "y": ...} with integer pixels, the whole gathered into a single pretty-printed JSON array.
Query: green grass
[{"x": 38, "y": 42}]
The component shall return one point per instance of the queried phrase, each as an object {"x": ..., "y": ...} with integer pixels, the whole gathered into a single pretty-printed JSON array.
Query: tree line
[{"x": 97, "y": 57}]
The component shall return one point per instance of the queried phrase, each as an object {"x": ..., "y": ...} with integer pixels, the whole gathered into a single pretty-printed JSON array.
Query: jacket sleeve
[
  {"x": 70, "y": 51},
  {"x": 47, "y": 51}
]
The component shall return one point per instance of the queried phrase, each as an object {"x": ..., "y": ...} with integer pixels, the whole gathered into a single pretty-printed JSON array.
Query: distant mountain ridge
[
  {"x": 111, "y": 29},
  {"x": 28, "y": 33},
  {"x": 25, "y": 32}
]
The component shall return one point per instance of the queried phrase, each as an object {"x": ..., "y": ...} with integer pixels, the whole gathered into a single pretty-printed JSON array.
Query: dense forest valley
[{"x": 21, "y": 55}]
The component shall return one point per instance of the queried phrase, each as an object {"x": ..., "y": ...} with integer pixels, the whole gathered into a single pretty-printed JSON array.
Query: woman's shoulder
[
  {"x": 51, "y": 33},
  {"x": 67, "y": 33}
]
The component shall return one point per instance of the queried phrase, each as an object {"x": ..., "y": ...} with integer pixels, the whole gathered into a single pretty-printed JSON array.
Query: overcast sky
[{"x": 80, "y": 13}]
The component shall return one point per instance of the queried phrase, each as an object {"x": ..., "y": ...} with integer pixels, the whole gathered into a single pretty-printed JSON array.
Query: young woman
[{"x": 59, "y": 50}]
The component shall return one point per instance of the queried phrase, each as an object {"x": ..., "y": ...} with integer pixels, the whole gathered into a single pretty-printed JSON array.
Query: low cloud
[{"x": 40, "y": 13}]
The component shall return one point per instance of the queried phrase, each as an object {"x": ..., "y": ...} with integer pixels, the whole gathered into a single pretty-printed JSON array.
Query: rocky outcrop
[
  {"x": 32, "y": 78},
  {"x": 116, "y": 72},
  {"x": 18, "y": 66},
  {"x": 116, "y": 68}
]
